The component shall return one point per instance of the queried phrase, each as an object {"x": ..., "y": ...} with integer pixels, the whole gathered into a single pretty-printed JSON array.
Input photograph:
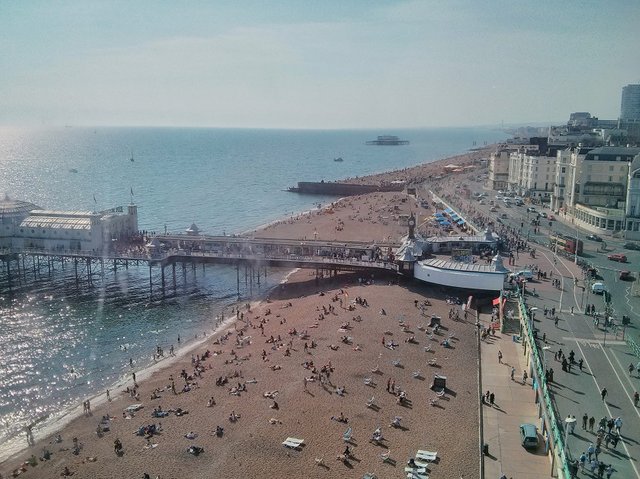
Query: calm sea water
[{"x": 61, "y": 342}]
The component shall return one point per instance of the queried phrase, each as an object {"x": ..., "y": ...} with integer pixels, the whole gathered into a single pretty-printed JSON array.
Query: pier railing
[{"x": 177, "y": 253}]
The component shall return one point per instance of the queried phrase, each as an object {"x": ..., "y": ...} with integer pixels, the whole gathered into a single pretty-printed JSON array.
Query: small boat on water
[
  {"x": 387, "y": 140},
  {"x": 73, "y": 170},
  {"x": 338, "y": 159}
]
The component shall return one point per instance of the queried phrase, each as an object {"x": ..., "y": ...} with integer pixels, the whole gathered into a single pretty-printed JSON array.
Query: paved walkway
[{"x": 514, "y": 405}]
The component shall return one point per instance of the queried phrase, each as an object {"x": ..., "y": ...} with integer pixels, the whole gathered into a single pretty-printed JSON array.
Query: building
[
  {"x": 632, "y": 209},
  {"x": 600, "y": 178},
  {"x": 532, "y": 174},
  {"x": 630, "y": 104},
  {"x": 12, "y": 212},
  {"x": 26, "y": 226},
  {"x": 498, "y": 170},
  {"x": 561, "y": 182}
]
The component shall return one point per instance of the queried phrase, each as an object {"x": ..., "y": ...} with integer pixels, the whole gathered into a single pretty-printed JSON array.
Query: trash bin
[{"x": 485, "y": 449}]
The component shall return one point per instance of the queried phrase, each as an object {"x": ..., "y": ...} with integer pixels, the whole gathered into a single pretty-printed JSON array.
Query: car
[
  {"x": 625, "y": 276},
  {"x": 481, "y": 202},
  {"x": 593, "y": 237},
  {"x": 621, "y": 258},
  {"x": 598, "y": 288},
  {"x": 504, "y": 216},
  {"x": 525, "y": 273},
  {"x": 493, "y": 209},
  {"x": 543, "y": 214},
  {"x": 531, "y": 209},
  {"x": 498, "y": 197},
  {"x": 633, "y": 246},
  {"x": 529, "y": 436}
]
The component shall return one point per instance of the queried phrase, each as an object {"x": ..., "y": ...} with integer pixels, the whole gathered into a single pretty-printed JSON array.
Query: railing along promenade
[{"x": 538, "y": 368}]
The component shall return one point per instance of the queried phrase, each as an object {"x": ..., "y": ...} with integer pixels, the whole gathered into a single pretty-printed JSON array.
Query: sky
[{"x": 321, "y": 64}]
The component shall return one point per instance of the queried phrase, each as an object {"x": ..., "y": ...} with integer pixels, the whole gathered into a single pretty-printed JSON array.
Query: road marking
[
  {"x": 631, "y": 460},
  {"x": 593, "y": 342}
]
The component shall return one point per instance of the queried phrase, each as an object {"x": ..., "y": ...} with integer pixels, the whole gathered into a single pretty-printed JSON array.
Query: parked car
[
  {"x": 493, "y": 209},
  {"x": 593, "y": 237},
  {"x": 529, "y": 436},
  {"x": 598, "y": 288},
  {"x": 531, "y": 209},
  {"x": 543, "y": 214},
  {"x": 633, "y": 246},
  {"x": 525, "y": 273},
  {"x": 618, "y": 257},
  {"x": 504, "y": 216},
  {"x": 625, "y": 276}
]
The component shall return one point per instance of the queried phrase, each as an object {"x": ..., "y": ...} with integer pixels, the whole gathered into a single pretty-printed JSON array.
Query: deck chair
[
  {"x": 416, "y": 374},
  {"x": 371, "y": 402},
  {"x": 396, "y": 363},
  {"x": 386, "y": 456},
  {"x": 419, "y": 470},
  {"x": 428, "y": 348},
  {"x": 346, "y": 437},
  {"x": 396, "y": 421},
  {"x": 416, "y": 475},
  {"x": 376, "y": 369},
  {"x": 427, "y": 455},
  {"x": 441, "y": 393},
  {"x": 369, "y": 382},
  {"x": 434, "y": 401},
  {"x": 319, "y": 461},
  {"x": 292, "y": 442},
  {"x": 433, "y": 362},
  {"x": 369, "y": 475}
]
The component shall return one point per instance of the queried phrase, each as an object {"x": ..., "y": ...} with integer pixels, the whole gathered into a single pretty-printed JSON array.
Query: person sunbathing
[{"x": 191, "y": 435}]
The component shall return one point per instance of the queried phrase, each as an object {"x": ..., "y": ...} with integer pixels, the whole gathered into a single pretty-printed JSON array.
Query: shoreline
[{"x": 147, "y": 374}]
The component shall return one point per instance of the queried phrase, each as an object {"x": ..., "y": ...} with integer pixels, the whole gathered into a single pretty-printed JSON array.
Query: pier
[{"x": 254, "y": 255}]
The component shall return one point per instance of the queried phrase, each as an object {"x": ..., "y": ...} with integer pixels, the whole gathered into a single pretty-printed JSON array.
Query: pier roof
[
  {"x": 458, "y": 266},
  {"x": 76, "y": 220},
  {"x": 11, "y": 208}
]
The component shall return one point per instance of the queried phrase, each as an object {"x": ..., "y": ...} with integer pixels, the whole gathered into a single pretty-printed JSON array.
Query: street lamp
[
  {"x": 567, "y": 424},
  {"x": 544, "y": 356}
]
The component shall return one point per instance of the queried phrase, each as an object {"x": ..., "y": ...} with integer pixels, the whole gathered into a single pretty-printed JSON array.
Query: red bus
[{"x": 565, "y": 243}]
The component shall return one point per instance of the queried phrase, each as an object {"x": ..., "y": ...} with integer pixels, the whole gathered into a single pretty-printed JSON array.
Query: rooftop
[{"x": 457, "y": 266}]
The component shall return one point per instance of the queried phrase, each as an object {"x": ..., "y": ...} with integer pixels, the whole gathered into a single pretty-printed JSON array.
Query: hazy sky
[{"x": 314, "y": 64}]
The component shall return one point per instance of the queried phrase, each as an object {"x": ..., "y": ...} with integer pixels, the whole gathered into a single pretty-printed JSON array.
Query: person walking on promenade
[
  {"x": 618, "y": 424},
  {"x": 592, "y": 423},
  {"x": 499, "y": 357},
  {"x": 603, "y": 393},
  {"x": 631, "y": 368},
  {"x": 609, "y": 471},
  {"x": 513, "y": 373},
  {"x": 492, "y": 399},
  {"x": 583, "y": 460},
  {"x": 585, "y": 418},
  {"x": 590, "y": 450},
  {"x": 525, "y": 376},
  {"x": 636, "y": 398}
]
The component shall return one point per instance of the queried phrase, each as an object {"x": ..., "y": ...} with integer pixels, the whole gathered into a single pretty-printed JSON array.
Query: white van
[{"x": 597, "y": 288}]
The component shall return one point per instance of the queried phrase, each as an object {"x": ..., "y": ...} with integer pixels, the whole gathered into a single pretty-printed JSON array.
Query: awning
[{"x": 495, "y": 302}]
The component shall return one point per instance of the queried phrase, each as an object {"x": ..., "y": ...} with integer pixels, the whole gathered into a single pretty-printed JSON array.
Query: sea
[{"x": 63, "y": 341}]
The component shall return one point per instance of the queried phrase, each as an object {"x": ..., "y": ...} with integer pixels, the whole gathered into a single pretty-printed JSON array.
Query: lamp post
[
  {"x": 567, "y": 424},
  {"x": 544, "y": 356}
]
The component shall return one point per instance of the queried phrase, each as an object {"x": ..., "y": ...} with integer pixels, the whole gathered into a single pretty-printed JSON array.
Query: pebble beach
[{"x": 338, "y": 343}]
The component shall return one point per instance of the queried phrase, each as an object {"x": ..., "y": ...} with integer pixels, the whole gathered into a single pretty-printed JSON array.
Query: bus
[{"x": 566, "y": 243}]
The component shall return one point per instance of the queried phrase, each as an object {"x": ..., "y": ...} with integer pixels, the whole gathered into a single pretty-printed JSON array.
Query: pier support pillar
[
  {"x": 162, "y": 276},
  {"x": 173, "y": 268},
  {"x": 75, "y": 264},
  {"x": 238, "y": 279},
  {"x": 150, "y": 282}
]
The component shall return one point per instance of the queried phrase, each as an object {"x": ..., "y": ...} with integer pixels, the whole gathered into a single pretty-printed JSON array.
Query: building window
[
  {"x": 563, "y": 170},
  {"x": 611, "y": 168}
]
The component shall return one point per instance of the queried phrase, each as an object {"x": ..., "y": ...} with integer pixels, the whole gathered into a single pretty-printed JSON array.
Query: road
[{"x": 606, "y": 356}]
